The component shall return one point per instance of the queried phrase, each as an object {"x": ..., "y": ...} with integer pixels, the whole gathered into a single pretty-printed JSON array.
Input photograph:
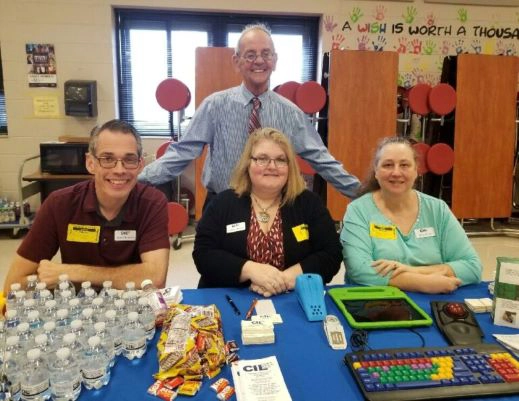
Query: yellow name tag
[
  {"x": 83, "y": 233},
  {"x": 382, "y": 232},
  {"x": 301, "y": 232}
]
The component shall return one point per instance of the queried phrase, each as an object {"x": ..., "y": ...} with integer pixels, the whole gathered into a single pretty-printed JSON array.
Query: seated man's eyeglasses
[
  {"x": 265, "y": 161},
  {"x": 129, "y": 162},
  {"x": 266, "y": 55}
]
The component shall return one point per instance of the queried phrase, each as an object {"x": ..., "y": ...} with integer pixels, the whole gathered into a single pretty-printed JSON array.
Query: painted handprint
[
  {"x": 337, "y": 40},
  {"x": 402, "y": 45},
  {"x": 458, "y": 45},
  {"x": 418, "y": 74},
  {"x": 410, "y": 15},
  {"x": 408, "y": 80},
  {"x": 446, "y": 46},
  {"x": 500, "y": 48},
  {"x": 378, "y": 46},
  {"x": 431, "y": 79},
  {"x": 462, "y": 15},
  {"x": 417, "y": 46},
  {"x": 329, "y": 24},
  {"x": 476, "y": 45},
  {"x": 430, "y": 19},
  {"x": 510, "y": 50},
  {"x": 380, "y": 12},
  {"x": 356, "y": 14},
  {"x": 363, "y": 42},
  {"x": 429, "y": 48}
]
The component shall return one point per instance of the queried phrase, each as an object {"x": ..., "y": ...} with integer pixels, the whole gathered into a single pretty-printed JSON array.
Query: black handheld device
[{"x": 456, "y": 322}]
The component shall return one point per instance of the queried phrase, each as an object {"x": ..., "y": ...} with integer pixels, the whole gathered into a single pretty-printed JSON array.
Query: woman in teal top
[{"x": 395, "y": 235}]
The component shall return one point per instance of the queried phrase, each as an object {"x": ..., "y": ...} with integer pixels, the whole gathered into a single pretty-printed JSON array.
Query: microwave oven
[{"x": 63, "y": 157}]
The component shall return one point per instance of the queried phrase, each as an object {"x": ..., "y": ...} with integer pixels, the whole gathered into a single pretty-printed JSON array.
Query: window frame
[
  {"x": 3, "y": 110},
  {"x": 218, "y": 25}
]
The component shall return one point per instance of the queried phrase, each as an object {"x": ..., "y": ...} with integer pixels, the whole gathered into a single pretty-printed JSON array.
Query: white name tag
[
  {"x": 125, "y": 235},
  {"x": 424, "y": 232},
  {"x": 232, "y": 228}
]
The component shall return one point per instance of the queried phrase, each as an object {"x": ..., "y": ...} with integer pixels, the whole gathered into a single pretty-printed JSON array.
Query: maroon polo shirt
[{"x": 141, "y": 226}]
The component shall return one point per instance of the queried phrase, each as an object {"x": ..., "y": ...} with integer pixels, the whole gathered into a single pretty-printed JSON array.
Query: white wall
[{"x": 83, "y": 35}]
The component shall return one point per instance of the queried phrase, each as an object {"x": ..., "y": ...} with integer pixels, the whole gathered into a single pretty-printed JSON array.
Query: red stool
[
  {"x": 442, "y": 99},
  {"x": 310, "y": 97},
  {"x": 288, "y": 90},
  {"x": 419, "y": 99},
  {"x": 421, "y": 150},
  {"x": 440, "y": 160},
  {"x": 173, "y": 95}
]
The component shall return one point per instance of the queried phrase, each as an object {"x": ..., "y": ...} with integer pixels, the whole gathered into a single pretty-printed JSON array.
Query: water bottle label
[
  {"x": 134, "y": 345},
  {"x": 92, "y": 374},
  {"x": 35, "y": 389},
  {"x": 65, "y": 388}
]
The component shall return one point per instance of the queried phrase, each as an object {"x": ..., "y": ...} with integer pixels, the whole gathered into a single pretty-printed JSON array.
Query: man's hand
[{"x": 49, "y": 272}]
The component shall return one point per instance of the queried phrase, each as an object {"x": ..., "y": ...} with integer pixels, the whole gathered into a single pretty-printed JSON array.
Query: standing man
[
  {"x": 224, "y": 120},
  {"x": 106, "y": 228}
]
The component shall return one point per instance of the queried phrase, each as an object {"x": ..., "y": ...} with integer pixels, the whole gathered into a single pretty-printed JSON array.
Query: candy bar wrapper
[
  {"x": 219, "y": 385},
  {"x": 189, "y": 388},
  {"x": 226, "y": 393}
]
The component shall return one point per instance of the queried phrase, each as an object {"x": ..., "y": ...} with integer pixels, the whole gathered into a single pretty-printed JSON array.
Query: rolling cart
[{"x": 24, "y": 192}]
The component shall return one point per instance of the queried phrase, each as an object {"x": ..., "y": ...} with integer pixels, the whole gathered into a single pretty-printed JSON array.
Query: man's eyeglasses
[
  {"x": 266, "y": 55},
  {"x": 129, "y": 162},
  {"x": 265, "y": 161}
]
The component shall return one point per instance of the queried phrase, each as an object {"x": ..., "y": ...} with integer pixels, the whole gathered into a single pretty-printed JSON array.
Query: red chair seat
[
  {"x": 422, "y": 149},
  {"x": 304, "y": 166},
  {"x": 173, "y": 95},
  {"x": 162, "y": 149},
  {"x": 442, "y": 99},
  {"x": 310, "y": 97},
  {"x": 177, "y": 218},
  {"x": 440, "y": 158},
  {"x": 418, "y": 99},
  {"x": 288, "y": 90}
]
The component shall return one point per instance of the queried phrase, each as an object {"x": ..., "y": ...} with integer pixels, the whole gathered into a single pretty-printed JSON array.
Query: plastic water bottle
[
  {"x": 76, "y": 327},
  {"x": 85, "y": 285},
  {"x": 13, "y": 373},
  {"x": 53, "y": 339},
  {"x": 120, "y": 310},
  {"x": 49, "y": 312},
  {"x": 113, "y": 324},
  {"x": 42, "y": 344},
  {"x": 111, "y": 296},
  {"x": 66, "y": 296},
  {"x": 11, "y": 299},
  {"x": 98, "y": 308},
  {"x": 35, "y": 378},
  {"x": 35, "y": 322},
  {"x": 19, "y": 300},
  {"x": 13, "y": 346},
  {"x": 134, "y": 337},
  {"x": 90, "y": 294},
  {"x": 131, "y": 300},
  {"x": 29, "y": 305},
  {"x": 155, "y": 299},
  {"x": 32, "y": 281},
  {"x": 62, "y": 322},
  {"x": 87, "y": 315},
  {"x": 107, "y": 285},
  {"x": 107, "y": 341},
  {"x": 42, "y": 285},
  {"x": 76, "y": 347},
  {"x": 63, "y": 278},
  {"x": 65, "y": 376},
  {"x": 74, "y": 309},
  {"x": 147, "y": 317},
  {"x": 96, "y": 372},
  {"x": 25, "y": 336},
  {"x": 43, "y": 296},
  {"x": 129, "y": 286},
  {"x": 12, "y": 320}
]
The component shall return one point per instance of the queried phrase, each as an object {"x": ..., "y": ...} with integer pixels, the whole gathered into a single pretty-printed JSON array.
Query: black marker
[{"x": 234, "y": 307}]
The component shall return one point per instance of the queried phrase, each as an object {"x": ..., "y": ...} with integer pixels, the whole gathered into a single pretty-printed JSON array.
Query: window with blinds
[
  {"x": 155, "y": 45},
  {"x": 3, "y": 112}
]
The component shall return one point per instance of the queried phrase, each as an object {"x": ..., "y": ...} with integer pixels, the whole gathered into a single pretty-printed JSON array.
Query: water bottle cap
[
  {"x": 32, "y": 277},
  {"x": 130, "y": 285},
  {"x": 93, "y": 341},
  {"x": 66, "y": 294},
  {"x": 144, "y": 301},
  {"x": 98, "y": 301},
  {"x": 86, "y": 284},
  {"x": 87, "y": 312},
  {"x": 11, "y": 313},
  {"x": 133, "y": 316},
  {"x": 33, "y": 354},
  {"x": 63, "y": 285},
  {"x": 100, "y": 326},
  {"x": 40, "y": 339},
  {"x": 73, "y": 302},
  {"x": 34, "y": 314},
  {"x": 63, "y": 353},
  {"x": 119, "y": 303},
  {"x": 24, "y": 326},
  {"x": 7, "y": 355},
  {"x": 41, "y": 286},
  {"x": 12, "y": 340},
  {"x": 49, "y": 326},
  {"x": 51, "y": 303},
  {"x": 110, "y": 314},
  {"x": 44, "y": 293},
  {"x": 76, "y": 324},
  {"x": 20, "y": 294},
  {"x": 89, "y": 292},
  {"x": 112, "y": 292},
  {"x": 69, "y": 338},
  {"x": 146, "y": 282},
  {"x": 62, "y": 313},
  {"x": 107, "y": 284},
  {"x": 63, "y": 277},
  {"x": 16, "y": 287},
  {"x": 29, "y": 303}
]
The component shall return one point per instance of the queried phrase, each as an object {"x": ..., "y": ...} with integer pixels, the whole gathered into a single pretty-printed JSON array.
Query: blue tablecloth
[{"x": 312, "y": 370}]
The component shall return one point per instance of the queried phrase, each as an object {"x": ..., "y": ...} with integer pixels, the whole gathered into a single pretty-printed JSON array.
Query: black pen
[{"x": 234, "y": 307}]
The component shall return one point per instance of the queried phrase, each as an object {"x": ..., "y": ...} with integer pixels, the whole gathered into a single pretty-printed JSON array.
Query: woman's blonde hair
[{"x": 241, "y": 182}]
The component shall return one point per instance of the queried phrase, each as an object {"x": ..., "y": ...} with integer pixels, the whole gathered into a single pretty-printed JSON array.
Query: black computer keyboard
[{"x": 432, "y": 373}]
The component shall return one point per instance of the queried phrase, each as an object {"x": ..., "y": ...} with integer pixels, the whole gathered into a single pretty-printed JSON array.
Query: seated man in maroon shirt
[{"x": 107, "y": 228}]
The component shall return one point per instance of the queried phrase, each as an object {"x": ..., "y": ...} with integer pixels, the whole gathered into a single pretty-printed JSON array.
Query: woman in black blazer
[{"x": 268, "y": 228}]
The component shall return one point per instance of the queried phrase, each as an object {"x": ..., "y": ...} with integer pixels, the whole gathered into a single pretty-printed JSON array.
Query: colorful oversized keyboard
[{"x": 435, "y": 372}]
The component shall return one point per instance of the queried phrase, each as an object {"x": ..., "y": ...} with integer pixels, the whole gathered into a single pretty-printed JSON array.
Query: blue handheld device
[{"x": 310, "y": 293}]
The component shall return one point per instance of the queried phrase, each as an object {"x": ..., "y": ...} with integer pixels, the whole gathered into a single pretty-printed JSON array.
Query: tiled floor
[{"x": 182, "y": 270}]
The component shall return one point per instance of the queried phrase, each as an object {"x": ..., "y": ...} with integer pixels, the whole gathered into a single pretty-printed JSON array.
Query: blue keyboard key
[{"x": 417, "y": 384}]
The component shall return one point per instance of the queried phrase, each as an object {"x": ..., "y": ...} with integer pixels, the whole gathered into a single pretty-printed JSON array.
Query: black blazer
[{"x": 220, "y": 249}]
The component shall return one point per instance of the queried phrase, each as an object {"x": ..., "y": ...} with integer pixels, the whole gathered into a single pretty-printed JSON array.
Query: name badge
[
  {"x": 381, "y": 231},
  {"x": 83, "y": 233},
  {"x": 301, "y": 232},
  {"x": 125, "y": 235},
  {"x": 235, "y": 227},
  {"x": 424, "y": 232}
]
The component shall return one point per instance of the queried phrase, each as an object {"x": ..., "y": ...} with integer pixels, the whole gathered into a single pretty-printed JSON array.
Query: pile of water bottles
[{"x": 53, "y": 344}]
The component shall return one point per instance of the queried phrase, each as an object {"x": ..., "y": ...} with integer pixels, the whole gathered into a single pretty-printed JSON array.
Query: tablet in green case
[{"x": 378, "y": 307}]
